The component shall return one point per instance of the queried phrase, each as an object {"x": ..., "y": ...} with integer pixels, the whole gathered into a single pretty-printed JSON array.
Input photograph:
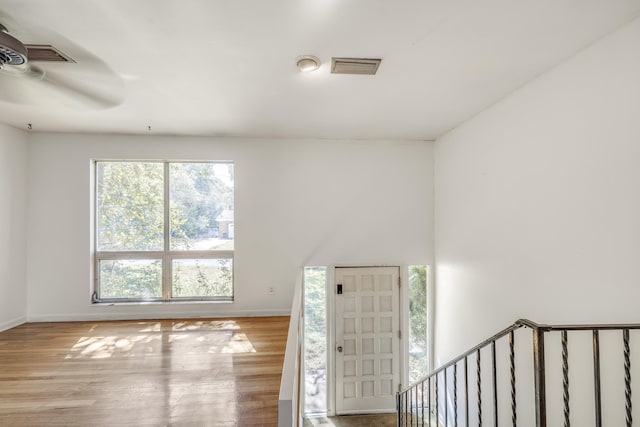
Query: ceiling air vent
[
  {"x": 43, "y": 52},
  {"x": 354, "y": 65}
]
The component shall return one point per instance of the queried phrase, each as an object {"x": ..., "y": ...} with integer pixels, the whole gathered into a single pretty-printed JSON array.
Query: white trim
[
  {"x": 155, "y": 315},
  {"x": 12, "y": 323}
]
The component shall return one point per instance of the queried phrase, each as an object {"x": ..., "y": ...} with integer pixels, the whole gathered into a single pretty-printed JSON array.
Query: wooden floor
[
  {"x": 381, "y": 420},
  {"x": 200, "y": 372}
]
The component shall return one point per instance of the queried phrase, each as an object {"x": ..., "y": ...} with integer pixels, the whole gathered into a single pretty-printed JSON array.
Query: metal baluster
[
  {"x": 399, "y": 406},
  {"x": 455, "y": 395},
  {"x": 417, "y": 408},
  {"x": 405, "y": 408},
  {"x": 495, "y": 383},
  {"x": 422, "y": 399},
  {"x": 565, "y": 380},
  {"x": 512, "y": 370},
  {"x": 429, "y": 400},
  {"x": 404, "y": 412},
  {"x": 437, "y": 403},
  {"x": 539, "y": 377},
  {"x": 596, "y": 377},
  {"x": 479, "y": 383},
  {"x": 627, "y": 376},
  {"x": 446, "y": 407},
  {"x": 417, "y": 417},
  {"x": 411, "y": 407},
  {"x": 466, "y": 392}
]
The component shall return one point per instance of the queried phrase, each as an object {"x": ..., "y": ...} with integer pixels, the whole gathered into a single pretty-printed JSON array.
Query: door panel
[{"x": 367, "y": 342}]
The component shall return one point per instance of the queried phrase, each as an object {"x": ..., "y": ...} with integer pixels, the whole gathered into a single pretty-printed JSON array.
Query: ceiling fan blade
[
  {"x": 84, "y": 82},
  {"x": 91, "y": 91},
  {"x": 18, "y": 85},
  {"x": 38, "y": 87}
]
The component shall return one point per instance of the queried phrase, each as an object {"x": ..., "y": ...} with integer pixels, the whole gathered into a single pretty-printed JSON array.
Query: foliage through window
[
  {"x": 164, "y": 230},
  {"x": 315, "y": 340},
  {"x": 418, "y": 351}
]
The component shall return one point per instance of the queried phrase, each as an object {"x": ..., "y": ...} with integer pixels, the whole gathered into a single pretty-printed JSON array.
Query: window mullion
[
  {"x": 116, "y": 255},
  {"x": 166, "y": 259}
]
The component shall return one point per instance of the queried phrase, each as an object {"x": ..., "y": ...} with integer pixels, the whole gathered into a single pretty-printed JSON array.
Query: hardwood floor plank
[{"x": 211, "y": 372}]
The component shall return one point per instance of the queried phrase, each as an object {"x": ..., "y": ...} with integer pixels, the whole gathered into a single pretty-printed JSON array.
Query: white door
[{"x": 367, "y": 339}]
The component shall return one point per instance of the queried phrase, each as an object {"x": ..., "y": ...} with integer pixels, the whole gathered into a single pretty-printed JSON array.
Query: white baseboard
[
  {"x": 12, "y": 323},
  {"x": 148, "y": 316}
]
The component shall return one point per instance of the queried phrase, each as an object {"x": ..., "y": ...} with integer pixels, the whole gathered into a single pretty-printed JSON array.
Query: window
[
  {"x": 418, "y": 350},
  {"x": 164, "y": 231},
  {"x": 315, "y": 340}
]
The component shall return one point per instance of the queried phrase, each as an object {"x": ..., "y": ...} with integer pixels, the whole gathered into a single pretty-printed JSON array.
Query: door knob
[{"x": 340, "y": 349}]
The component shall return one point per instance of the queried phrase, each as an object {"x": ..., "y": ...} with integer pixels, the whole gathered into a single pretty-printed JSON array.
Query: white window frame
[{"x": 165, "y": 256}]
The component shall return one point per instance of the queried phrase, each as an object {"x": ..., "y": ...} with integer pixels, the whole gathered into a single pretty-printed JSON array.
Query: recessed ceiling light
[{"x": 308, "y": 63}]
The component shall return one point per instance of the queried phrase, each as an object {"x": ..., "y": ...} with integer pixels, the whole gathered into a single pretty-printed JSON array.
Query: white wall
[
  {"x": 297, "y": 203},
  {"x": 13, "y": 186},
  {"x": 538, "y": 202}
]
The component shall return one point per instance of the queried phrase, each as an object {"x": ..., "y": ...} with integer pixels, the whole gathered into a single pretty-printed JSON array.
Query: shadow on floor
[{"x": 381, "y": 420}]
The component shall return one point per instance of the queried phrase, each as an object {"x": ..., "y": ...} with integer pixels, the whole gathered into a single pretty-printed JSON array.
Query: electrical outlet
[{"x": 271, "y": 290}]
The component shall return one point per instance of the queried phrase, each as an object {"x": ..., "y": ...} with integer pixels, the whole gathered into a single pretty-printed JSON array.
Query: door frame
[{"x": 331, "y": 328}]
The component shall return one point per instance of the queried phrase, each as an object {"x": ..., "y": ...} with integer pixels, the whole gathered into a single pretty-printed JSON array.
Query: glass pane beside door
[{"x": 315, "y": 340}]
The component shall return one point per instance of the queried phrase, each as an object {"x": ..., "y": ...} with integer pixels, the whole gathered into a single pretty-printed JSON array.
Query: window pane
[
  {"x": 201, "y": 206},
  {"x": 418, "y": 355},
  {"x": 131, "y": 209},
  {"x": 202, "y": 278},
  {"x": 129, "y": 206},
  {"x": 315, "y": 340},
  {"x": 136, "y": 279}
]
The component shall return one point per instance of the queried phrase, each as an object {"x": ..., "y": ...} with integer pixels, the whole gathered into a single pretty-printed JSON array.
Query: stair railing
[{"x": 454, "y": 395}]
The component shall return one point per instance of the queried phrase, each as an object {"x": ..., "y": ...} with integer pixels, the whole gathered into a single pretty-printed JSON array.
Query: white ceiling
[{"x": 227, "y": 67}]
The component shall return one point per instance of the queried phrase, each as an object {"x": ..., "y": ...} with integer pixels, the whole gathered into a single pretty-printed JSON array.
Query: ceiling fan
[
  {"x": 42, "y": 75},
  {"x": 12, "y": 51}
]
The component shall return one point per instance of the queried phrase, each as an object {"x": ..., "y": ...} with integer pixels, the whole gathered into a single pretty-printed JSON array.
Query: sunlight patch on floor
[
  {"x": 103, "y": 347},
  {"x": 222, "y": 337}
]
